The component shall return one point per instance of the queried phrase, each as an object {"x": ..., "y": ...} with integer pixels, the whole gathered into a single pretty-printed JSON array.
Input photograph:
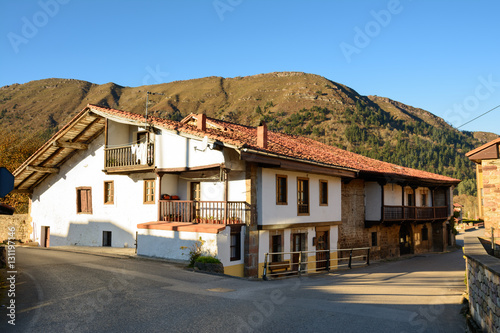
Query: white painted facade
[
  {"x": 54, "y": 203},
  {"x": 271, "y": 213},
  {"x": 168, "y": 244},
  {"x": 54, "y": 200},
  {"x": 175, "y": 151}
]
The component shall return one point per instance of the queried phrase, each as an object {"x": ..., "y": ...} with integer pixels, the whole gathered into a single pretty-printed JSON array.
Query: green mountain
[{"x": 292, "y": 102}]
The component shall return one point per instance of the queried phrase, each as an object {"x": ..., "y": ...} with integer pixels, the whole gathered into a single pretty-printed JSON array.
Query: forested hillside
[{"x": 292, "y": 102}]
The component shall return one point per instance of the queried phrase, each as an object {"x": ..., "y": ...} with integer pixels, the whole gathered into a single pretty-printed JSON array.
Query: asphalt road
[{"x": 70, "y": 292}]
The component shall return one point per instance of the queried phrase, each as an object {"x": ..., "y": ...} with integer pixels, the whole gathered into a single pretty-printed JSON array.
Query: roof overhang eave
[
  {"x": 349, "y": 172},
  {"x": 402, "y": 179}
]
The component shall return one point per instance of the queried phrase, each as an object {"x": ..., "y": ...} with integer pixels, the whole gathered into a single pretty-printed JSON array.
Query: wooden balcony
[
  {"x": 129, "y": 158},
  {"x": 208, "y": 212},
  {"x": 413, "y": 213}
]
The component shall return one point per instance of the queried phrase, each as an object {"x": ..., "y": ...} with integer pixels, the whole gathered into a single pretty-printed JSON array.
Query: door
[
  {"x": 405, "y": 239},
  {"x": 298, "y": 244},
  {"x": 106, "y": 238},
  {"x": 437, "y": 237},
  {"x": 195, "y": 196},
  {"x": 322, "y": 245},
  {"x": 45, "y": 236}
]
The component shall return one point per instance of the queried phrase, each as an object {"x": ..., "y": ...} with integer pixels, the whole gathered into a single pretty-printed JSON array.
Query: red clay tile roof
[{"x": 286, "y": 145}]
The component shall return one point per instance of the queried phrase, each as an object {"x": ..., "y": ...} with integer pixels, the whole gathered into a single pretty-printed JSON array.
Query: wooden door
[
  {"x": 405, "y": 239},
  {"x": 298, "y": 244},
  {"x": 323, "y": 257},
  {"x": 195, "y": 196},
  {"x": 437, "y": 237}
]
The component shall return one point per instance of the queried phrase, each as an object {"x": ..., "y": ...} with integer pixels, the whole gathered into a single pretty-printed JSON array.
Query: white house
[{"x": 114, "y": 178}]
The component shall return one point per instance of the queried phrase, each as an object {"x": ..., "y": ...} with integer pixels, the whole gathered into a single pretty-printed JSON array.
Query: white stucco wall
[
  {"x": 373, "y": 201},
  {"x": 174, "y": 151},
  {"x": 271, "y": 213},
  {"x": 167, "y": 244},
  {"x": 54, "y": 202},
  {"x": 392, "y": 195},
  {"x": 418, "y": 200},
  {"x": 118, "y": 134}
]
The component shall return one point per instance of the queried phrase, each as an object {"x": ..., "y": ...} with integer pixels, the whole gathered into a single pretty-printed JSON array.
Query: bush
[
  {"x": 207, "y": 260},
  {"x": 194, "y": 251}
]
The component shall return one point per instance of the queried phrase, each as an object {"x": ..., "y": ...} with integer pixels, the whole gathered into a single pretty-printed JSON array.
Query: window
[
  {"x": 303, "y": 196},
  {"x": 424, "y": 200},
  {"x": 142, "y": 137},
  {"x": 281, "y": 190},
  {"x": 276, "y": 247},
  {"x": 411, "y": 200},
  {"x": 425, "y": 233},
  {"x": 84, "y": 200},
  {"x": 323, "y": 193},
  {"x": 235, "y": 247},
  {"x": 109, "y": 192},
  {"x": 374, "y": 238},
  {"x": 149, "y": 191}
]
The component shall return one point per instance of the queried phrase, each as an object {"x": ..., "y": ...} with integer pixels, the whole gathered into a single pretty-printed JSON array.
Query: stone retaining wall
[
  {"x": 483, "y": 285},
  {"x": 21, "y": 223}
]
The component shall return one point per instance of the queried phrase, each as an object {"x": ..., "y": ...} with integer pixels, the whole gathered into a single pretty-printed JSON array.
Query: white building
[{"x": 114, "y": 178}]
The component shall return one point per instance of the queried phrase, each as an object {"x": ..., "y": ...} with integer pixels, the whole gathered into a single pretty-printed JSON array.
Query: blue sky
[{"x": 442, "y": 56}]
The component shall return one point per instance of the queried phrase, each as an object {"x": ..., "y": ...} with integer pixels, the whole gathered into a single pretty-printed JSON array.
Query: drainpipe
[
  {"x": 226, "y": 193},
  {"x": 160, "y": 177}
]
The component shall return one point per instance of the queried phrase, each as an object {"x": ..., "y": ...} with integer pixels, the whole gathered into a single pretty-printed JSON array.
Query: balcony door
[{"x": 195, "y": 196}]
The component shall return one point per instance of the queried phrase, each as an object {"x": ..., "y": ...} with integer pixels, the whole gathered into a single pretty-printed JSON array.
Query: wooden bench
[{"x": 280, "y": 266}]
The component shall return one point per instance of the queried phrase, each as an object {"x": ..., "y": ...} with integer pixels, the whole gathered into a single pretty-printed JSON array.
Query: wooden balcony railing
[
  {"x": 129, "y": 156},
  {"x": 414, "y": 213},
  {"x": 213, "y": 212}
]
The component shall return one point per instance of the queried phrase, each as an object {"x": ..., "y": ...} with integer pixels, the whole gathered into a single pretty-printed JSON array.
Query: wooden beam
[
  {"x": 42, "y": 169},
  {"x": 297, "y": 225},
  {"x": 72, "y": 145},
  {"x": 24, "y": 191}
]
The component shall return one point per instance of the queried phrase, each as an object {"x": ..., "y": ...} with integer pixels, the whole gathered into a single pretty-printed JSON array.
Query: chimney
[
  {"x": 201, "y": 122},
  {"x": 262, "y": 135}
]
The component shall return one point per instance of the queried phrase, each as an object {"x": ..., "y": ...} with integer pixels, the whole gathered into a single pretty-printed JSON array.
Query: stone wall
[
  {"x": 352, "y": 232},
  {"x": 22, "y": 224},
  {"x": 483, "y": 285},
  {"x": 491, "y": 195}
]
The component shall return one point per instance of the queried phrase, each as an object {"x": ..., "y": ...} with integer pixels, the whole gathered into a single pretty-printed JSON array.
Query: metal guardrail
[{"x": 298, "y": 262}]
